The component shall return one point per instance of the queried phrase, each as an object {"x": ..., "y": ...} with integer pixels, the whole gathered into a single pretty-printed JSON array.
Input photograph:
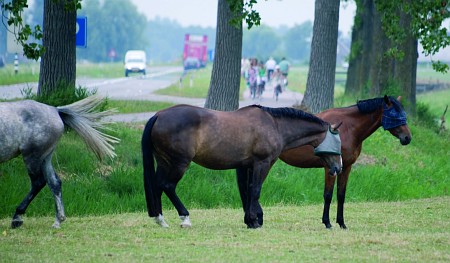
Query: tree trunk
[
  {"x": 223, "y": 93},
  {"x": 58, "y": 64},
  {"x": 322, "y": 67},
  {"x": 406, "y": 69}
]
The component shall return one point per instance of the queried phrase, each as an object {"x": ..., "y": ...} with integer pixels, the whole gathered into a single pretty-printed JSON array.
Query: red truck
[{"x": 195, "y": 54}]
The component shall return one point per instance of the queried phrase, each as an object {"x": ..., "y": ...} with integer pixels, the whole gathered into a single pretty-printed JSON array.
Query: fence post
[{"x": 16, "y": 64}]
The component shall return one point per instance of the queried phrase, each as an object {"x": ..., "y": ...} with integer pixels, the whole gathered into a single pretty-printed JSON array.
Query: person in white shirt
[{"x": 270, "y": 67}]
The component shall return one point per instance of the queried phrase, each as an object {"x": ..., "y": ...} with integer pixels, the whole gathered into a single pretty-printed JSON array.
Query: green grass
[
  {"x": 194, "y": 84},
  {"x": 127, "y": 106},
  {"x": 410, "y": 231},
  {"x": 437, "y": 101},
  {"x": 29, "y": 72},
  {"x": 397, "y": 172}
]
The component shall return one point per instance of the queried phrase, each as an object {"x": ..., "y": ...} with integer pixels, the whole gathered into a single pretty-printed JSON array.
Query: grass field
[
  {"x": 410, "y": 231},
  {"x": 396, "y": 205}
]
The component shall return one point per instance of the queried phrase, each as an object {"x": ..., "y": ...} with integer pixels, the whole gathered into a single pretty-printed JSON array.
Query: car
[
  {"x": 191, "y": 63},
  {"x": 135, "y": 62}
]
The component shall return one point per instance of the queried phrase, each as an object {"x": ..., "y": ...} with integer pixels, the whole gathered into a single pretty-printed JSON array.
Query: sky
[{"x": 273, "y": 12}]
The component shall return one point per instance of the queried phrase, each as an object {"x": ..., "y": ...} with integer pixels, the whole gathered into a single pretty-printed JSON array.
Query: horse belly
[
  {"x": 302, "y": 157},
  {"x": 220, "y": 160}
]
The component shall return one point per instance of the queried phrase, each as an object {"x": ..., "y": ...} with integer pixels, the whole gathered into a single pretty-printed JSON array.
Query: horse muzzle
[{"x": 405, "y": 140}]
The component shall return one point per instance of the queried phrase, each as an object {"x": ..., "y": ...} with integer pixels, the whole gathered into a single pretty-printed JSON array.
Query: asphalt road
[{"x": 138, "y": 87}]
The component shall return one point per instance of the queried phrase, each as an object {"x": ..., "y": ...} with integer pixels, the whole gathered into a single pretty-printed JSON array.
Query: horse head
[
  {"x": 394, "y": 120},
  {"x": 329, "y": 150}
]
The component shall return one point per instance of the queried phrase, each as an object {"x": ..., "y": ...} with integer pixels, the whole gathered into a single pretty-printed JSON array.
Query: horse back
[
  {"x": 214, "y": 139},
  {"x": 26, "y": 124}
]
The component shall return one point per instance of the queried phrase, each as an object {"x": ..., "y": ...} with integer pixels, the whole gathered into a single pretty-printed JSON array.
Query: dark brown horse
[
  {"x": 359, "y": 122},
  {"x": 249, "y": 138}
]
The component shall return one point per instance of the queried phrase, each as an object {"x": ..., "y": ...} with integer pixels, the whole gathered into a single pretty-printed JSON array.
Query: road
[{"x": 139, "y": 87}]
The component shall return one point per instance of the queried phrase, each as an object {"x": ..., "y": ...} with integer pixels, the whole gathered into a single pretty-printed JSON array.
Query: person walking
[
  {"x": 270, "y": 67},
  {"x": 284, "y": 68}
]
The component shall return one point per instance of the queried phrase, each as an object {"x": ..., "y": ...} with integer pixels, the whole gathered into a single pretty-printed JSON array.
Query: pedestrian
[
  {"x": 253, "y": 77},
  {"x": 284, "y": 68},
  {"x": 270, "y": 67}
]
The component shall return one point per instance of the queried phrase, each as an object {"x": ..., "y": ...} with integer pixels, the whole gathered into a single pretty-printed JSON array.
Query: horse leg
[
  {"x": 327, "y": 197},
  {"x": 341, "y": 189},
  {"x": 54, "y": 183},
  {"x": 157, "y": 194},
  {"x": 260, "y": 172},
  {"x": 244, "y": 177},
  {"x": 37, "y": 183},
  {"x": 169, "y": 188}
]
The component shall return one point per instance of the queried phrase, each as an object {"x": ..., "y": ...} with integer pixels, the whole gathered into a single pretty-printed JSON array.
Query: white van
[{"x": 135, "y": 61}]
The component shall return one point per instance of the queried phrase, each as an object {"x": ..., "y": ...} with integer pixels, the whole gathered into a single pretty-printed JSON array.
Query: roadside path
[
  {"x": 286, "y": 99},
  {"x": 143, "y": 88}
]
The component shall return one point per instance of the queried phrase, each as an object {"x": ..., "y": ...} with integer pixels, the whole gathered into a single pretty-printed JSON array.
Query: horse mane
[
  {"x": 291, "y": 113},
  {"x": 370, "y": 105}
]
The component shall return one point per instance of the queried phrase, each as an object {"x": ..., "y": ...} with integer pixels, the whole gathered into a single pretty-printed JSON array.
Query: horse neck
[
  {"x": 366, "y": 123},
  {"x": 297, "y": 132}
]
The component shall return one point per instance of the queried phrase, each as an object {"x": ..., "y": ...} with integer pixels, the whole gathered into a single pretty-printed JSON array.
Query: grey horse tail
[
  {"x": 87, "y": 122},
  {"x": 149, "y": 169}
]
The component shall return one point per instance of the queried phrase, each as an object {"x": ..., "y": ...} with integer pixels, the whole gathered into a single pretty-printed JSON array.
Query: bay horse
[
  {"x": 33, "y": 129},
  {"x": 249, "y": 138},
  {"x": 359, "y": 122}
]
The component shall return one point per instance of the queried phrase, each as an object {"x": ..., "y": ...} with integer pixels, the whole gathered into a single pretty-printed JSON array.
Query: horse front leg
[
  {"x": 255, "y": 213},
  {"x": 341, "y": 189},
  {"x": 244, "y": 178},
  {"x": 327, "y": 198}
]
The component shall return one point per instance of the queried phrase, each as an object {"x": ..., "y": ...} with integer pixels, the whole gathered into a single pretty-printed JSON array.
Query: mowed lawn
[{"x": 408, "y": 231}]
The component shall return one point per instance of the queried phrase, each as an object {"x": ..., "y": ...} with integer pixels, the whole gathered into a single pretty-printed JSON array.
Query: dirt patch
[{"x": 365, "y": 159}]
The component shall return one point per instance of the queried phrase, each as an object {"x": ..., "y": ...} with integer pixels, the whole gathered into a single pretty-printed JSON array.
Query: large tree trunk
[
  {"x": 406, "y": 69},
  {"x": 58, "y": 64},
  {"x": 371, "y": 71},
  {"x": 322, "y": 66},
  {"x": 223, "y": 93}
]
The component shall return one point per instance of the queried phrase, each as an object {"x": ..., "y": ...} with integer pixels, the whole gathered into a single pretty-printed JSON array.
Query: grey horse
[{"x": 33, "y": 129}]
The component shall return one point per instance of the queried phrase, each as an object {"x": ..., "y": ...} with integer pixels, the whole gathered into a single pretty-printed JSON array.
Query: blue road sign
[{"x": 81, "y": 32}]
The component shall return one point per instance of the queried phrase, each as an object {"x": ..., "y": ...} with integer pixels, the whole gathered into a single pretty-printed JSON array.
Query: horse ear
[
  {"x": 336, "y": 127},
  {"x": 387, "y": 100},
  {"x": 399, "y": 98}
]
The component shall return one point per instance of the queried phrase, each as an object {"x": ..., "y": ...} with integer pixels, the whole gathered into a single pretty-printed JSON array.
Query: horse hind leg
[
  {"x": 54, "y": 183},
  {"x": 37, "y": 183},
  {"x": 169, "y": 187}
]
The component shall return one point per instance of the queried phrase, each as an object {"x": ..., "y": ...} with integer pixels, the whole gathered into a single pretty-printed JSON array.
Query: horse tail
[
  {"x": 82, "y": 117},
  {"x": 149, "y": 168}
]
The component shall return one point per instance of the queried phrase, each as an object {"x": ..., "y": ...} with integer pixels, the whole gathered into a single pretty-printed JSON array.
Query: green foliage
[
  {"x": 426, "y": 24},
  {"x": 61, "y": 96},
  {"x": 32, "y": 50},
  {"x": 436, "y": 101},
  {"x": 166, "y": 38},
  {"x": 259, "y": 41},
  {"x": 118, "y": 26},
  {"x": 242, "y": 10},
  {"x": 298, "y": 41},
  {"x": 425, "y": 118}
]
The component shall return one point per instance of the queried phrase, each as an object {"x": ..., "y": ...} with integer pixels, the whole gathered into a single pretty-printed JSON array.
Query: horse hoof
[
  {"x": 254, "y": 225},
  {"x": 56, "y": 225},
  {"x": 16, "y": 223}
]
